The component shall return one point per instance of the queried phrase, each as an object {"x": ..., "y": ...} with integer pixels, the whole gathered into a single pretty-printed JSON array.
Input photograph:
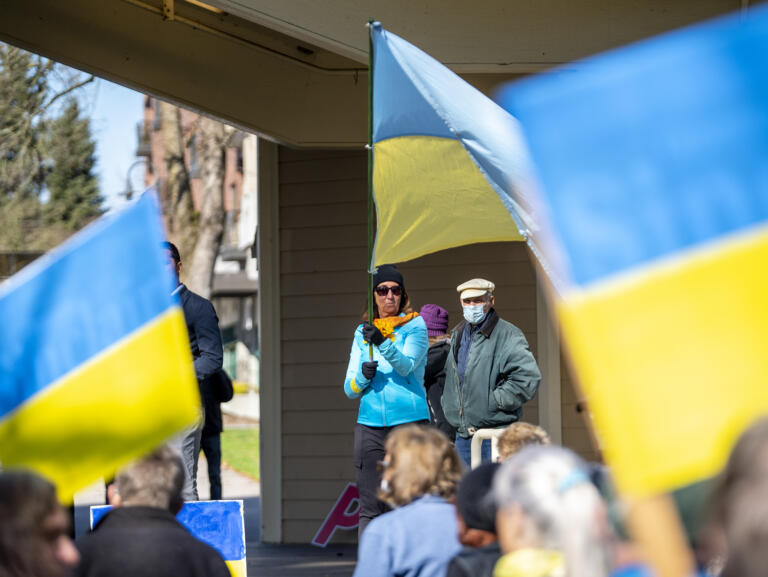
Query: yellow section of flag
[
  {"x": 431, "y": 196},
  {"x": 672, "y": 360},
  {"x": 117, "y": 406}
]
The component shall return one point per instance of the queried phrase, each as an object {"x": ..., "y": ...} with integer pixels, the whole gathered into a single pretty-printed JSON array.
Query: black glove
[
  {"x": 369, "y": 369},
  {"x": 372, "y": 335}
]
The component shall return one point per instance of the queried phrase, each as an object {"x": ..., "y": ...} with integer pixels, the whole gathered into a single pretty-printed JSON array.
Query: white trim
[
  {"x": 268, "y": 239},
  {"x": 548, "y": 349}
]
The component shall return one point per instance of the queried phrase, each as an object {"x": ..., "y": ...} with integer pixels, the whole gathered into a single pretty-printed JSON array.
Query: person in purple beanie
[{"x": 436, "y": 319}]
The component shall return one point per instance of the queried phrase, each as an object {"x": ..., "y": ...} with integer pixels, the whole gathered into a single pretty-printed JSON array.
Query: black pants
[
  {"x": 211, "y": 445},
  {"x": 434, "y": 394},
  {"x": 369, "y": 451}
]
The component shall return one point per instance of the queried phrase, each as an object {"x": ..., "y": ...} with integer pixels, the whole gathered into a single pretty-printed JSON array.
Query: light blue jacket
[
  {"x": 396, "y": 394},
  {"x": 417, "y": 540}
]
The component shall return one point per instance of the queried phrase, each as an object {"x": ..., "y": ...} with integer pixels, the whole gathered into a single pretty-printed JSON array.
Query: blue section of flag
[
  {"x": 414, "y": 94},
  {"x": 399, "y": 109},
  {"x": 49, "y": 327},
  {"x": 218, "y": 523},
  {"x": 654, "y": 148}
]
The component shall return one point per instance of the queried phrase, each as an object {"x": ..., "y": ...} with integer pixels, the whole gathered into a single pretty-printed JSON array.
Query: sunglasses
[{"x": 383, "y": 290}]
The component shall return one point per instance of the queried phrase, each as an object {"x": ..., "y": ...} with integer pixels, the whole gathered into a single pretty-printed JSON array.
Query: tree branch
[{"x": 67, "y": 91}]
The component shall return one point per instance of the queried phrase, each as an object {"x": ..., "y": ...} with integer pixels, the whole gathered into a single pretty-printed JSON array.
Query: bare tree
[
  {"x": 178, "y": 206},
  {"x": 213, "y": 140},
  {"x": 198, "y": 233}
]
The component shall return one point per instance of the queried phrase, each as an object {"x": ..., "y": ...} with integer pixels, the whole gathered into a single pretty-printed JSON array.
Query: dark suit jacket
[
  {"x": 216, "y": 389},
  {"x": 204, "y": 336}
]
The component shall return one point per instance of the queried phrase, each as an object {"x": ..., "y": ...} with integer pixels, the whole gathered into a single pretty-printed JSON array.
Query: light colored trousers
[{"x": 187, "y": 444}]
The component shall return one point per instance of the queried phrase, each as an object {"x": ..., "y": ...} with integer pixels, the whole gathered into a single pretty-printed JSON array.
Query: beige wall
[
  {"x": 322, "y": 254},
  {"x": 322, "y": 208}
]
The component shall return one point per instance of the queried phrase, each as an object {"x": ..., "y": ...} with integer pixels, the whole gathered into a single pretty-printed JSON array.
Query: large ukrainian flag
[
  {"x": 445, "y": 157},
  {"x": 653, "y": 205},
  {"x": 95, "y": 365}
]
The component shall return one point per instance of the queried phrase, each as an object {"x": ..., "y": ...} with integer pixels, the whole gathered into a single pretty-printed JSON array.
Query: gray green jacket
[{"x": 501, "y": 375}]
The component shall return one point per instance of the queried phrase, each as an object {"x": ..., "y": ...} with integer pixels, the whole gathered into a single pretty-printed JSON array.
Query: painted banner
[{"x": 220, "y": 524}]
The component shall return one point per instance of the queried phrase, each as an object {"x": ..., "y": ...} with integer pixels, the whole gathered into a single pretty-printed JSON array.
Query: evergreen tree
[
  {"x": 24, "y": 90},
  {"x": 42, "y": 148},
  {"x": 74, "y": 198}
]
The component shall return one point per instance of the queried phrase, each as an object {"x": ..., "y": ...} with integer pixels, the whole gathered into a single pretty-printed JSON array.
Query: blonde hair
[
  {"x": 422, "y": 462},
  {"x": 519, "y": 435}
]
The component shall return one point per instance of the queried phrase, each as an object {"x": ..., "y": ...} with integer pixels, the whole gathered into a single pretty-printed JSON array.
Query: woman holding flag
[{"x": 386, "y": 372}]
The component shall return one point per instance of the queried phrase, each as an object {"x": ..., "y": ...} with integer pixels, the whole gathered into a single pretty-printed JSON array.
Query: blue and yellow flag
[
  {"x": 652, "y": 205},
  {"x": 447, "y": 159},
  {"x": 95, "y": 364}
]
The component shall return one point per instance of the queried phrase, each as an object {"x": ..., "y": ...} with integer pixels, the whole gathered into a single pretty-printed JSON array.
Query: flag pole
[{"x": 370, "y": 178}]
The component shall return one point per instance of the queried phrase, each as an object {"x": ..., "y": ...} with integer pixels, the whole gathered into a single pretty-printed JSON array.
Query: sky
[{"x": 114, "y": 112}]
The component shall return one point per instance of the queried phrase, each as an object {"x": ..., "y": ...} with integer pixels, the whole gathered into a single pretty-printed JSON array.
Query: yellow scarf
[
  {"x": 530, "y": 563},
  {"x": 387, "y": 325}
]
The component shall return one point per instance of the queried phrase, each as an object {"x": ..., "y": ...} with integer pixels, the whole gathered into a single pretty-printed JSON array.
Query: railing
[{"x": 477, "y": 444}]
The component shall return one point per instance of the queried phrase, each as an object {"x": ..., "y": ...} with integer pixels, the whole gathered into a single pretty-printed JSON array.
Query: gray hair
[
  {"x": 561, "y": 507},
  {"x": 156, "y": 480}
]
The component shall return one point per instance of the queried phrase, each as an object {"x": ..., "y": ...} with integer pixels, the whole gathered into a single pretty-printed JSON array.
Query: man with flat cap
[{"x": 490, "y": 371}]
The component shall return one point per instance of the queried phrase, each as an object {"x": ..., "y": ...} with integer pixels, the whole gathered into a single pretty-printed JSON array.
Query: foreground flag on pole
[
  {"x": 652, "y": 164},
  {"x": 446, "y": 157},
  {"x": 95, "y": 365}
]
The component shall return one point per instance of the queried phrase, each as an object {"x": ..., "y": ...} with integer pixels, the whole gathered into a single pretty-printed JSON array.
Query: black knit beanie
[
  {"x": 387, "y": 272},
  {"x": 475, "y": 499}
]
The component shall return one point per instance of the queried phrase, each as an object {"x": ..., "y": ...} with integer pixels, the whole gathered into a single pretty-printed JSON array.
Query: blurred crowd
[
  {"x": 539, "y": 511},
  {"x": 451, "y": 481}
]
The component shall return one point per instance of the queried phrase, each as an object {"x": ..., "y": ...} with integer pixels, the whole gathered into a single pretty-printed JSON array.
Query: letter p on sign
[{"x": 344, "y": 515}]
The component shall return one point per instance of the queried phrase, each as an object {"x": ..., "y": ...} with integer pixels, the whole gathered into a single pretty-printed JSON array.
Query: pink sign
[{"x": 343, "y": 515}]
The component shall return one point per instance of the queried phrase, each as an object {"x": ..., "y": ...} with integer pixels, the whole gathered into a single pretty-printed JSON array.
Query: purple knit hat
[{"x": 436, "y": 318}]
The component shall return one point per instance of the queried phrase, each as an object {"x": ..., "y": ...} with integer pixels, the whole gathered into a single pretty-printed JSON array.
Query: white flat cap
[{"x": 475, "y": 288}]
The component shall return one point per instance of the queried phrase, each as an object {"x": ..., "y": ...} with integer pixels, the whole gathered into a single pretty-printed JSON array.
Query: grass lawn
[{"x": 240, "y": 450}]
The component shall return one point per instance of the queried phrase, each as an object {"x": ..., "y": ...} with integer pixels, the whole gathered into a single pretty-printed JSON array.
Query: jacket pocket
[{"x": 449, "y": 401}]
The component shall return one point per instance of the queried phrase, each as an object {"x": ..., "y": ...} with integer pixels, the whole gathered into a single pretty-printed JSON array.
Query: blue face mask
[{"x": 474, "y": 314}]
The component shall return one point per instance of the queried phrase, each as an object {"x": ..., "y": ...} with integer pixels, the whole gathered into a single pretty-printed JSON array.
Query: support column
[
  {"x": 270, "y": 438},
  {"x": 548, "y": 349}
]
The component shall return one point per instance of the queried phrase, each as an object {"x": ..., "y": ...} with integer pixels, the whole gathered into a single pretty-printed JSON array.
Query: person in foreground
[
  {"x": 419, "y": 537},
  {"x": 141, "y": 536},
  {"x": 740, "y": 506},
  {"x": 551, "y": 520},
  {"x": 34, "y": 528},
  {"x": 476, "y": 512},
  {"x": 391, "y": 386}
]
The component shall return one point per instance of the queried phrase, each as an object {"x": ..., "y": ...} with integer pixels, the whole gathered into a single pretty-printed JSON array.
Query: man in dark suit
[
  {"x": 207, "y": 354},
  {"x": 217, "y": 389}
]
